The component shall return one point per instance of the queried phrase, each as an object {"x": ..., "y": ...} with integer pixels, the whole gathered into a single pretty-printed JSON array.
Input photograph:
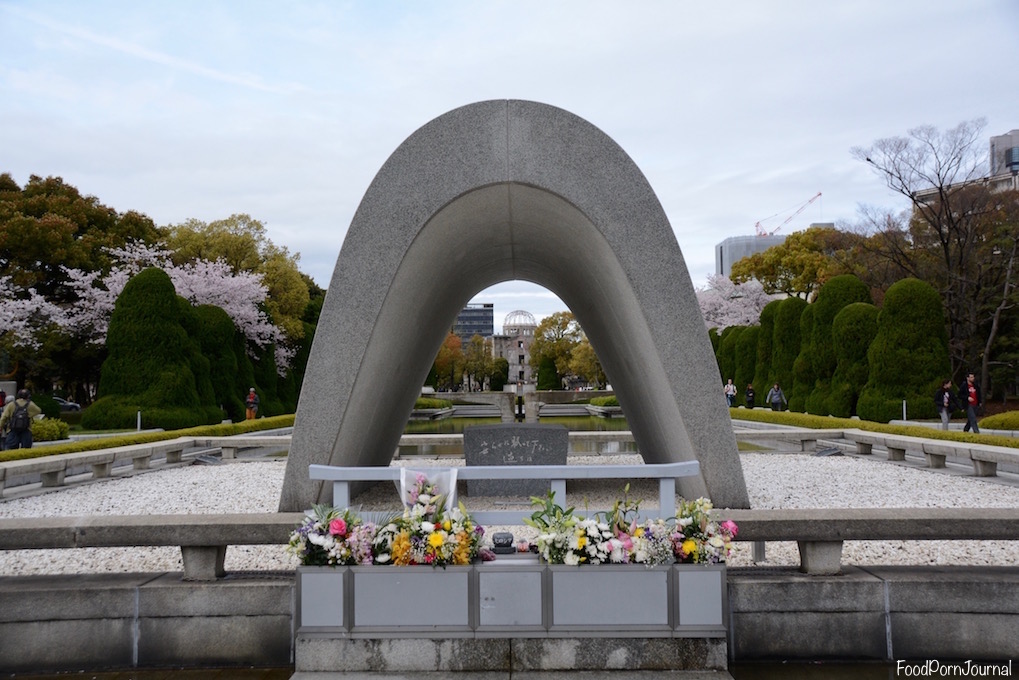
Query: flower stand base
[{"x": 511, "y": 615}]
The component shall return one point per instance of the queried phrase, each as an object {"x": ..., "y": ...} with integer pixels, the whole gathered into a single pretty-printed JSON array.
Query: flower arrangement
[
  {"x": 699, "y": 538},
  {"x": 617, "y": 537},
  {"x": 427, "y": 532},
  {"x": 333, "y": 537}
]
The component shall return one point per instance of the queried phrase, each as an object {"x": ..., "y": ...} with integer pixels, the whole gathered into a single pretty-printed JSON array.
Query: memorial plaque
[{"x": 514, "y": 444}]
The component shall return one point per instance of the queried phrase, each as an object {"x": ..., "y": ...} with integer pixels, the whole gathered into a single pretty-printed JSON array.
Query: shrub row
[{"x": 840, "y": 355}]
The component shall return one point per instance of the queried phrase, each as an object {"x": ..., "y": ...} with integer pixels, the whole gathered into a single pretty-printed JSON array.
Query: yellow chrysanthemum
[
  {"x": 689, "y": 546},
  {"x": 581, "y": 541},
  {"x": 639, "y": 532},
  {"x": 447, "y": 525},
  {"x": 401, "y": 549},
  {"x": 462, "y": 552},
  {"x": 435, "y": 539}
]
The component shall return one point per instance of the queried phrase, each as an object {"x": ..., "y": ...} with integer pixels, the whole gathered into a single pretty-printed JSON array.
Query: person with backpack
[
  {"x": 8, "y": 399},
  {"x": 17, "y": 417}
]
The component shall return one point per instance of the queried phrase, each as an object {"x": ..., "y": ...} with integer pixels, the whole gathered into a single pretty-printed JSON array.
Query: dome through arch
[{"x": 519, "y": 319}]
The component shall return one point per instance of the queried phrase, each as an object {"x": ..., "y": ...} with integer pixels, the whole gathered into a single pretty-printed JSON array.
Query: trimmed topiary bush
[
  {"x": 785, "y": 344},
  {"x": 803, "y": 367},
  {"x": 833, "y": 296},
  {"x": 713, "y": 337},
  {"x": 853, "y": 329},
  {"x": 765, "y": 348},
  {"x": 49, "y": 430},
  {"x": 500, "y": 374},
  {"x": 746, "y": 359},
  {"x": 727, "y": 352},
  {"x": 909, "y": 355},
  {"x": 217, "y": 337},
  {"x": 548, "y": 376},
  {"x": 151, "y": 363}
]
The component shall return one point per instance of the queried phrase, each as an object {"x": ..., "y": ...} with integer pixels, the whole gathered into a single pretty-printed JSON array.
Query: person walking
[
  {"x": 776, "y": 398},
  {"x": 969, "y": 397},
  {"x": 251, "y": 405},
  {"x": 18, "y": 416},
  {"x": 749, "y": 395},
  {"x": 730, "y": 393},
  {"x": 946, "y": 403}
]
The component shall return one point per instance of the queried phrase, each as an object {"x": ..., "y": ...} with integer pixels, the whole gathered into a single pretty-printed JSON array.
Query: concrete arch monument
[{"x": 497, "y": 191}]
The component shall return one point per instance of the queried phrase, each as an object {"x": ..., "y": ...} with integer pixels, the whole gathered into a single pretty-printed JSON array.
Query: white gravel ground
[{"x": 773, "y": 480}]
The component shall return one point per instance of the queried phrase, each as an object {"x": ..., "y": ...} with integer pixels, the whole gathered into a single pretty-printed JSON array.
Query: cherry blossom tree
[
  {"x": 724, "y": 303},
  {"x": 241, "y": 295},
  {"x": 24, "y": 313}
]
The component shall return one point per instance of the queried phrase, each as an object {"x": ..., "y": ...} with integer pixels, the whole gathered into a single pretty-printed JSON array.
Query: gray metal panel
[
  {"x": 606, "y": 595},
  {"x": 510, "y": 598},
  {"x": 411, "y": 597},
  {"x": 700, "y": 596},
  {"x": 321, "y": 598}
]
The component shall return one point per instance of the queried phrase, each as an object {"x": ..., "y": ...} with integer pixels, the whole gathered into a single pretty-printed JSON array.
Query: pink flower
[
  {"x": 729, "y": 527},
  {"x": 338, "y": 527}
]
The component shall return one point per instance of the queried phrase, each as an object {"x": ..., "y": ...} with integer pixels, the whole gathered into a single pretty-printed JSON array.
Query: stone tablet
[{"x": 514, "y": 445}]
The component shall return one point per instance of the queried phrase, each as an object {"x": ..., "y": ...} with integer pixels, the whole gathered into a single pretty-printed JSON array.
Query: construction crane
[{"x": 761, "y": 231}]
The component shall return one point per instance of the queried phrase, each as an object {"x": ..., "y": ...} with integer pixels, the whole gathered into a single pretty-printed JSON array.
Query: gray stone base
[{"x": 319, "y": 654}]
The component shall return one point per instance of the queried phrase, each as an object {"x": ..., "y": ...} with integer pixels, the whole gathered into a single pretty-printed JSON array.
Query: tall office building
[
  {"x": 735, "y": 248},
  {"x": 475, "y": 319}
]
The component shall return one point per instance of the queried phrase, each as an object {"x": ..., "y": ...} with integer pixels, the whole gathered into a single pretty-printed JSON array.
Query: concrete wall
[{"x": 149, "y": 620}]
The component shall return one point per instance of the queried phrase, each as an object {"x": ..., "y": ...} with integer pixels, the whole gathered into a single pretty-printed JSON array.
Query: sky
[{"x": 736, "y": 112}]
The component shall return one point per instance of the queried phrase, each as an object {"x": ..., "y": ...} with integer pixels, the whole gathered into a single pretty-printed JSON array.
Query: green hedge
[
  {"x": 786, "y": 344},
  {"x": 726, "y": 355},
  {"x": 128, "y": 438},
  {"x": 853, "y": 330},
  {"x": 746, "y": 358},
  {"x": 605, "y": 401},
  {"x": 1001, "y": 421},
  {"x": 908, "y": 358},
  {"x": 49, "y": 430},
  {"x": 803, "y": 366},
  {"x": 832, "y": 423},
  {"x": 430, "y": 403},
  {"x": 765, "y": 349}
]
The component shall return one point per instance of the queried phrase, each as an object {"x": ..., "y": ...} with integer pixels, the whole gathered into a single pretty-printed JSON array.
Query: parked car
[{"x": 67, "y": 405}]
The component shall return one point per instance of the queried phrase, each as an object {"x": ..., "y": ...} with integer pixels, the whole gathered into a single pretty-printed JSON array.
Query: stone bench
[
  {"x": 820, "y": 533},
  {"x": 666, "y": 474},
  {"x": 54, "y": 469},
  {"x": 203, "y": 539},
  {"x": 50, "y": 468},
  {"x": 985, "y": 458},
  {"x": 230, "y": 446},
  {"x": 806, "y": 438}
]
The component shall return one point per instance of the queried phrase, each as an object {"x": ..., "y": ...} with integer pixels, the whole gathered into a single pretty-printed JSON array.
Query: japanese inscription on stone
[{"x": 516, "y": 444}]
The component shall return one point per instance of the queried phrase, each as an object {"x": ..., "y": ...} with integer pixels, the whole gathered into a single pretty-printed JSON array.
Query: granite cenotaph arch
[{"x": 498, "y": 191}]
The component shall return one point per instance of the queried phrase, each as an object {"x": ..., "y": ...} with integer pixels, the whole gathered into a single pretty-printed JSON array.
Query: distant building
[
  {"x": 514, "y": 345},
  {"x": 735, "y": 248},
  {"x": 475, "y": 319},
  {"x": 1003, "y": 166},
  {"x": 1004, "y": 161}
]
